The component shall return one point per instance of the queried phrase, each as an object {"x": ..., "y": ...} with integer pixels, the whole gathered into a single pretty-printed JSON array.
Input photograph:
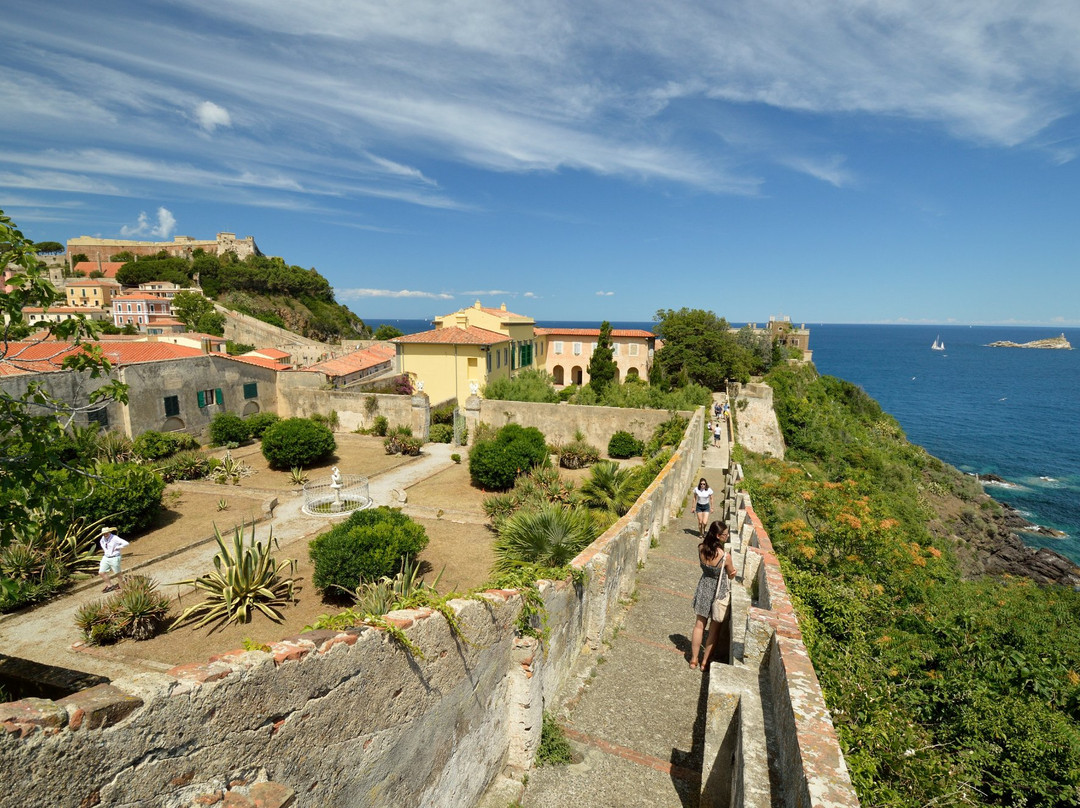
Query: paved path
[
  {"x": 46, "y": 633},
  {"x": 639, "y": 720}
]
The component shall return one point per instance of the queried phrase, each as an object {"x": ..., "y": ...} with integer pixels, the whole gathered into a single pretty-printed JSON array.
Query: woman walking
[
  {"x": 717, "y": 570},
  {"x": 702, "y": 504}
]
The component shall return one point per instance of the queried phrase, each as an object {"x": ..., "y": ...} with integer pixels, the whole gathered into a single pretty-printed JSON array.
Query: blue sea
[{"x": 1010, "y": 412}]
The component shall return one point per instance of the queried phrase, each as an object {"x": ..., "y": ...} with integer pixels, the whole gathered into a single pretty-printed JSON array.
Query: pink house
[
  {"x": 567, "y": 352},
  {"x": 141, "y": 309}
]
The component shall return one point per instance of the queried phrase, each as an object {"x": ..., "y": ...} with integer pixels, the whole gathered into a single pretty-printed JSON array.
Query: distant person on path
[
  {"x": 716, "y": 409},
  {"x": 703, "y": 504},
  {"x": 718, "y": 432},
  {"x": 717, "y": 570},
  {"x": 111, "y": 545}
]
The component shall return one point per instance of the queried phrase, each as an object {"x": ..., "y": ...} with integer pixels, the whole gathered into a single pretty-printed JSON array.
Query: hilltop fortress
[{"x": 102, "y": 249}]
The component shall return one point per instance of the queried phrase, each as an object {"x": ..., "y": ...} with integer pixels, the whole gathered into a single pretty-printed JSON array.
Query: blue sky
[{"x": 887, "y": 161}]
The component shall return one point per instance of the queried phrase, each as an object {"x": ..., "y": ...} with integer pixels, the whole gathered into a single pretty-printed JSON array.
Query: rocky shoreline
[{"x": 1053, "y": 343}]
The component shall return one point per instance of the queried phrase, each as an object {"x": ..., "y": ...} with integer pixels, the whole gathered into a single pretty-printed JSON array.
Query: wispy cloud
[
  {"x": 605, "y": 294},
  {"x": 488, "y": 293},
  {"x": 356, "y": 294},
  {"x": 166, "y": 224}
]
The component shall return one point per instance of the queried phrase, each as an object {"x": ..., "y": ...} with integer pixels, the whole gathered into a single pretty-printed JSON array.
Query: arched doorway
[
  {"x": 632, "y": 373},
  {"x": 250, "y": 409},
  {"x": 575, "y": 376},
  {"x": 172, "y": 424},
  {"x": 557, "y": 374}
]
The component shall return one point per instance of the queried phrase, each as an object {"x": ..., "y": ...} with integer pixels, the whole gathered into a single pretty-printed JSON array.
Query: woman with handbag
[{"x": 713, "y": 593}]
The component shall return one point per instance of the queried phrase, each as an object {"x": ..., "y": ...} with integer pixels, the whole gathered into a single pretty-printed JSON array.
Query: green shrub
[
  {"x": 554, "y": 749},
  {"x": 496, "y": 463},
  {"x": 455, "y": 457},
  {"x": 401, "y": 443},
  {"x": 228, "y": 427},
  {"x": 365, "y": 547},
  {"x": 550, "y": 535},
  {"x": 151, "y": 445},
  {"x": 669, "y": 433},
  {"x": 380, "y": 426},
  {"x": 137, "y": 611},
  {"x": 296, "y": 442},
  {"x": 189, "y": 465},
  {"x": 623, "y": 445},
  {"x": 441, "y": 433},
  {"x": 259, "y": 422},
  {"x": 577, "y": 454},
  {"x": 443, "y": 414},
  {"x": 126, "y": 494},
  {"x": 330, "y": 420},
  {"x": 531, "y": 384}
]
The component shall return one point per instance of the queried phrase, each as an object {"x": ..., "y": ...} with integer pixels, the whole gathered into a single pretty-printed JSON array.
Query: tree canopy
[
  {"x": 385, "y": 332},
  {"x": 198, "y": 313},
  {"x": 701, "y": 347},
  {"x": 33, "y": 425}
]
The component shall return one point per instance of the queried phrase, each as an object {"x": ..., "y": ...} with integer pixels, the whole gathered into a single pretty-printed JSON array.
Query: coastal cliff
[{"x": 1053, "y": 343}]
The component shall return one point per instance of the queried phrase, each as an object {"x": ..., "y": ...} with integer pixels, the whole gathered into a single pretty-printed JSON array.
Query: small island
[{"x": 1059, "y": 343}]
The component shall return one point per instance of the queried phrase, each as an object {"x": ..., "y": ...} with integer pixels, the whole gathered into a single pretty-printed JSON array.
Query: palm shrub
[
  {"x": 259, "y": 422},
  {"x": 380, "y": 425},
  {"x": 368, "y": 545},
  {"x": 495, "y": 464},
  {"x": 188, "y": 465},
  {"x": 137, "y": 611},
  {"x": 228, "y": 427},
  {"x": 114, "y": 447},
  {"x": 296, "y": 442},
  {"x": 610, "y": 488},
  {"x": 577, "y": 454},
  {"x": 623, "y": 445},
  {"x": 246, "y": 579},
  {"x": 549, "y": 535}
]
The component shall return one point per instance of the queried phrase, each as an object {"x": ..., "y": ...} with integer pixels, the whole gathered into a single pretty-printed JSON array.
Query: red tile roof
[
  {"x": 270, "y": 353},
  {"x": 261, "y": 361},
  {"x": 45, "y": 357},
  {"x": 93, "y": 282},
  {"x": 452, "y": 335},
  {"x": 593, "y": 332},
  {"x": 108, "y": 268},
  {"x": 355, "y": 361}
]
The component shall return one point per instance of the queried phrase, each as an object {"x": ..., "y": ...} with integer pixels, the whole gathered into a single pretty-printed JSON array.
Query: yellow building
[
  {"x": 96, "y": 293},
  {"x": 466, "y": 350}
]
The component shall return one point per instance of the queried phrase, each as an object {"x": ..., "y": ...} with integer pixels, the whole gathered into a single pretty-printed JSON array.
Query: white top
[
  {"x": 112, "y": 544},
  {"x": 703, "y": 496}
]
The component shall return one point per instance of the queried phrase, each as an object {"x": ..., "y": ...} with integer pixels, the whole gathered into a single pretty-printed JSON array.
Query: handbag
[{"x": 723, "y": 594}]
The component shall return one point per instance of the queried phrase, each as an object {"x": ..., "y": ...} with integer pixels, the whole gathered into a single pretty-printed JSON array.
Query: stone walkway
[
  {"x": 46, "y": 633},
  {"x": 638, "y": 721}
]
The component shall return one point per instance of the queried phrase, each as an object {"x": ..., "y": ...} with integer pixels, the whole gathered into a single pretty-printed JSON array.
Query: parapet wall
[
  {"x": 811, "y": 763},
  {"x": 341, "y": 718}
]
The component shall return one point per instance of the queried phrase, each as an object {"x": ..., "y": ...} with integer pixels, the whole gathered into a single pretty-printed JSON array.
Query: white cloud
[
  {"x": 210, "y": 116},
  {"x": 531, "y": 295},
  {"x": 353, "y": 294},
  {"x": 604, "y": 294},
  {"x": 166, "y": 224},
  {"x": 488, "y": 293}
]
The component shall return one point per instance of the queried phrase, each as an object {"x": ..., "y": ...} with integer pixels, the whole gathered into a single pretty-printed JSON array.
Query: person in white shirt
[
  {"x": 703, "y": 504},
  {"x": 111, "y": 545}
]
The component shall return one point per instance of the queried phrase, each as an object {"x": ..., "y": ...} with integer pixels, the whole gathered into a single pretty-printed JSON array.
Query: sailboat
[{"x": 938, "y": 344}]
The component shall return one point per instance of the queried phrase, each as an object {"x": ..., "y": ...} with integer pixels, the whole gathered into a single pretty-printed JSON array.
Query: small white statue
[
  {"x": 335, "y": 478},
  {"x": 474, "y": 388},
  {"x": 419, "y": 387}
]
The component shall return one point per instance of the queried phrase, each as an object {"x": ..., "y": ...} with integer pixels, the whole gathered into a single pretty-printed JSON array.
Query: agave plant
[
  {"x": 297, "y": 475},
  {"x": 246, "y": 578},
  {"x": 549, "y": 535},
  {"x": 610, "y": 488},
  {"x": 114, "y": 447},
  {"x": 386, "y": 594},
  {"x": 230, "y": 470},
  {"x": 138, "y": 608}
]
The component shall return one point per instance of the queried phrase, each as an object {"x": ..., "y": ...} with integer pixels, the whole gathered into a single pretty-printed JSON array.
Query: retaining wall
[
  {"x": 301, "y": 395},
  {"x": 341, "y": 718}
]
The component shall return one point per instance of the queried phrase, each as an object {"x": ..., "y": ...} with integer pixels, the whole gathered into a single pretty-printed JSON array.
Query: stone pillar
[
  {"x": 472, "y": 415},
  {"x": 596, "y": 601},
  {"x": 420, "y": 420},
  {"x": 526, "y": 702}
]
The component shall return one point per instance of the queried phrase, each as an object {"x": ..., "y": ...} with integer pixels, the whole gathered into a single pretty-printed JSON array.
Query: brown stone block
[
  {"x": 34, "y": 713},
  {"x": 201, "y": 671},
  {"x": 103, "y": 705},
  {"x": 272, "y": 795}
]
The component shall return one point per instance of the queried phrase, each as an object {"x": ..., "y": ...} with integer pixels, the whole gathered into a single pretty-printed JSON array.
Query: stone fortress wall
[
  {"x": 102, "y": 249},
  {"x": 349, "y": 718},
  {"x": 342, "y": 718}
]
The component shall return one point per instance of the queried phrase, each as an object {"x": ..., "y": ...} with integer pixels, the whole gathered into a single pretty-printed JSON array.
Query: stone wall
[
  {"x": 249, "y": 330},
  {"x": 755, "y": 418},
  {"x": 301, "y": 395},
  {"x": 341, "y": 718},
  {"x": 559, "y": 422}
]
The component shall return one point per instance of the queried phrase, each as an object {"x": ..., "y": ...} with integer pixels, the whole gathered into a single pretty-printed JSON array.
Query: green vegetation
[
  {"x": 246, "y": 579},
  {"x": 610, "y": 488},
  {"x": 44, "y": 560},
  {"x": 137, "y": 611},
  {"x": 531, "y": 384},
  {"x": 944, "y": 691},
  {"x": 577, "y": 454},
  {"x": 152, "y": 445},
  {"x": 622, "y": 445},
  {"x": 495, "y": 463},
  {"x": 363, "y": 548},
  {"x": 198, "y": 314},
  {"x": 126, "y": 494},
  {"x": 228, "y": 427},
  {"x": 441, "y": 433},
  {"x": 554, "y": 749},
  {"x": 700, "y": 347},
  {"x": 602, "y": 368},
  {"x": 386, "y": 332},
  {"x": 296, "y": 442},
  {"x": 33, "y": 423},
  {"x": 48, "y": 248},
  {"x": 259, "y": 422}
]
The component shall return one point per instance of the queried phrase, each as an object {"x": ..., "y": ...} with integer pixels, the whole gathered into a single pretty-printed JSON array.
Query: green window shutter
[
  {"x": 219, "y": 397},
  {"x": 172, "y": 406},
  {"x": 251, "y": 390},
  {"x": 202, "y": 398}
]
